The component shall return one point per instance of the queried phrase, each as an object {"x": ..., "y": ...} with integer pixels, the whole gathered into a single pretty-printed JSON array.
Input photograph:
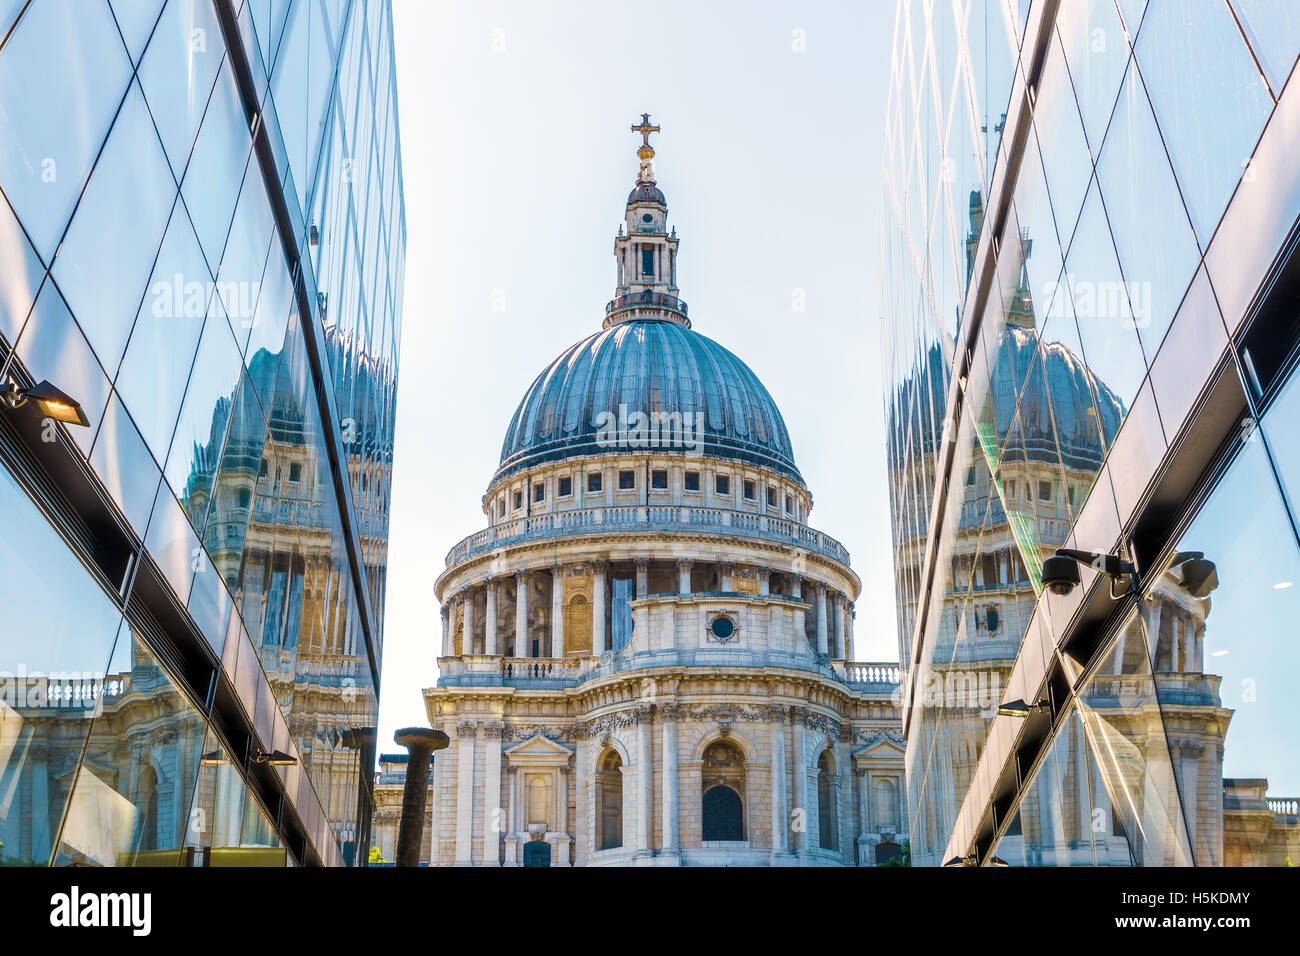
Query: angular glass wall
[
  {"x": 1059, "y": 342},
  {"x": 203, "y": 235}
]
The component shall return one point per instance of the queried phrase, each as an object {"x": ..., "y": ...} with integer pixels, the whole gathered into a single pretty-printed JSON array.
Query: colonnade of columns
[{"x": 834, "y": 612}]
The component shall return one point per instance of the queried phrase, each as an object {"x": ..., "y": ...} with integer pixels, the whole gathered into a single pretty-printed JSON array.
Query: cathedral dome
[{"x": 662, "y": 370}]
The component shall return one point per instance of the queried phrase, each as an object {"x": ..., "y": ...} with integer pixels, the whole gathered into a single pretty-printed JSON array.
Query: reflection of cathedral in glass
[
  {"x": 1031, "y": 325},
  {"x": 194, "y": 583}
]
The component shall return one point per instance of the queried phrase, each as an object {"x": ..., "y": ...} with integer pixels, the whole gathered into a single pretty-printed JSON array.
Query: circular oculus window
[{"x": 722, "y": 627}]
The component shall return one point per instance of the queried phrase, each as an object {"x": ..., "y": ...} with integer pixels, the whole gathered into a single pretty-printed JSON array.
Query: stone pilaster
[
  {"x": 599, "y": 630},
  {"x": 490, "y": 618},
  {"x": 557, "y": 611},
  {"x": 522, "y": 648}
]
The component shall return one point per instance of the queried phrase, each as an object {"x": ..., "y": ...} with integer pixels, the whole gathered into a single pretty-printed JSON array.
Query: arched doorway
[
  {"x": 722, "y": 783},
  {"x": 609, "y": 801},
  {"x": 537, "y": 853}
]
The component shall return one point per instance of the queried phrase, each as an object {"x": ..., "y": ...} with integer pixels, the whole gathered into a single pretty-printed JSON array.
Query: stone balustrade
[
  {"x": 652, "y": 518},
  {"x": 1286, "y": 806}
]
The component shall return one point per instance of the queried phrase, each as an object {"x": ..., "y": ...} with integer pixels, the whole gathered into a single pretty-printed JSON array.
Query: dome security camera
[{"x": 1060, "y": 575}]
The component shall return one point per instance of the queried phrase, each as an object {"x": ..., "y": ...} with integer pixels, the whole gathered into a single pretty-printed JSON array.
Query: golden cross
[{"x": 645, "y": 129}]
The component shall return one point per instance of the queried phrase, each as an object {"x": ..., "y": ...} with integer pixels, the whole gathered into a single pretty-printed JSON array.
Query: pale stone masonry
[{"x": 647, "y": 656}]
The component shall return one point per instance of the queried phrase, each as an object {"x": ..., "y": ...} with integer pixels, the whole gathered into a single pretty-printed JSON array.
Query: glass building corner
[
  {"x": 202, "y": 238},
  {"x": 1091, "y": 343}
]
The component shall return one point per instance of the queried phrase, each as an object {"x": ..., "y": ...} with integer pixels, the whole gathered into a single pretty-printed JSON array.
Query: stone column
[
  {"x": 821, "y": 619},
  {"x": 644, "y": 777},
  {"x": 796, "y": 588},
  {"x": 669, "y": 714},
  {"x": 490, "y": 619},
  {"x": 448, "y": 628},
  {"x": 848, "y": 638},
  {"x": 726, "y": 573},
  {"x": 420, "y": 742},
  {"x": 494, "y": 821},
  {"x": 464, "y": 792},
  {"x": 684, "y": 576},
  {"x": 642, "y": 577},
  {"x": 467, "y": 636},
  {"x": 780, "y": 828},
  {"x": 599, "y": 640},
  {"x": 557, "y": 611},
  {"x": 561, "y": 854},
  {"x": 522, "y": 646},
  {"x": 837, "y": 627},
  {"x": 764, "y": 582},
  {"x": 800, "y": 784},
  {"x": 512, "y": 819}
]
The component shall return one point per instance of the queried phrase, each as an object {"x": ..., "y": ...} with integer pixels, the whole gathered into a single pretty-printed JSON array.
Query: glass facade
[
  {"x": 202, "y": 237},
  {"x": 1088, "y": 339}
]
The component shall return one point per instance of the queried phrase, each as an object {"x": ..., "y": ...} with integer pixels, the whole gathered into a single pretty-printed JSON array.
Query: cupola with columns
[{"x": 648, "y": 583}]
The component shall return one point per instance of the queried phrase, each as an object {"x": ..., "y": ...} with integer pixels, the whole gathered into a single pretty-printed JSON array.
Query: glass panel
[
  {"x": 22, "y": 272},
  {"x": 217, "y": 812},
  {"x": 135, "y": 18},
  {"x": 196, "y": 447},
  {"x": 53, "y": 348},
  {"x": 137, "y": 777},
  {"x": 1101, "y": 306},
  {"x": 1209, "y": 99},
  {"x": 125, "y": 466},
  {"x": 177, "y": 74},
  {"x": 1096, "y": 50},
  {"x": 104, "y": 263},
  {"x": 43, "y": 164},
  {"x": 53, "y": 656},
  {"x": 1273, "y": 27},
  {"x": 161, "y": 352},
  {"x": 216, "y": 169},
  {"x": 244, "y": 260},
  {"x": 1066, "y": 160},
  {"x": 1125, "y": 730},
  {"x": 1138, "y": 189},
  {"x": 172, "y": 542},
  {"x": 236, "y": 484},
  {"x": 1222, "y": 616}
]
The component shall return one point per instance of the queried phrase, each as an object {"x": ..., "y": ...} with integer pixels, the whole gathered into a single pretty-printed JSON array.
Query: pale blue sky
[{"x": 518, "y": 159}]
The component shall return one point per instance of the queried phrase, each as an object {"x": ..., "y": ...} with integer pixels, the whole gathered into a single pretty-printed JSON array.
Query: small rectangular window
[
  {"x": 566, "y": 487},
  {"x": 692, "y": 481},
  {"x": 501, "y": 507},
  {"x": 1044, "y": 491},
  {"x": 261, "y": 469},
  {"x": 659, "y": 479},
  {"x": 593, "y": 481},
  {"x": 647, "y": 261},
  {"x": 789, "y": 506},
  {"x": 539, "y": 491},
  {"x": 721, "y": 485},
  {"x": 295, "y": 472},
  {"x": 519, "y": 500},
  {"x": 1069, "y": 493},
  {"x": 749, "y": 491},
  {"x": 626, "y": 480},
  {"x": 771, "y": 497}
]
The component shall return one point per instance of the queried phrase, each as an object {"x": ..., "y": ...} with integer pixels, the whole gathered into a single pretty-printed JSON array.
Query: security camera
[
  {"x": 1060, "y": 575},
  {"x": 1061, "y": 570}
]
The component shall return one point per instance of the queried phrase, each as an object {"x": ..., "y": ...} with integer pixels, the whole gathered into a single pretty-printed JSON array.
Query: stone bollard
[{"x": 420, "y": 742}]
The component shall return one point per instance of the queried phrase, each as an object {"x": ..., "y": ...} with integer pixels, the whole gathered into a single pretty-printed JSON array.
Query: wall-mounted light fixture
[
  {"x": 274, "y": 758},
  {"x": 1018, "y": 708},
  {"x": 50, "y": 401}
]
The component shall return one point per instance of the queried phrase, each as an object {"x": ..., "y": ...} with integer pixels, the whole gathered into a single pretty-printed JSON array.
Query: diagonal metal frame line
[{"x": 305, "y": 292}]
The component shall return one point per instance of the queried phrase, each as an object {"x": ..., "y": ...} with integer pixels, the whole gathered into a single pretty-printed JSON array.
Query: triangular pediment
[
  {"x": 880, "y": 748},
  {"x": 539, "y": 745}
]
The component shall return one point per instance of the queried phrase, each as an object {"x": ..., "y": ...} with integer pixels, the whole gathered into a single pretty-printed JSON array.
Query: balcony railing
[
  {"x": 480, "y": 669},
  {"x": 659, "y": 300},
  {"x": 1289, "y": 806},
  {"x": 871, "y": 674},
  {"x": 580, "y": 521}
]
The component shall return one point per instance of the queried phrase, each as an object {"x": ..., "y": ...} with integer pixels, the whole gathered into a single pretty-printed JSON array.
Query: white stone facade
[{"x": 646, "y": 657}]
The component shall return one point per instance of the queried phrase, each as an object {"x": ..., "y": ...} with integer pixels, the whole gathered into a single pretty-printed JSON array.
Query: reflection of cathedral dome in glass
[
  {"x": 658, "y": 368},
  {"x": 1063, "y": 388}
]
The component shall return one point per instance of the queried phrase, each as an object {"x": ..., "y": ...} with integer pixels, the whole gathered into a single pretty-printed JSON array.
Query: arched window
[
  {"x": 723, "y": 787},
  {"x": 609, "y": 802},
  {"x": 827, "y": 837}
]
